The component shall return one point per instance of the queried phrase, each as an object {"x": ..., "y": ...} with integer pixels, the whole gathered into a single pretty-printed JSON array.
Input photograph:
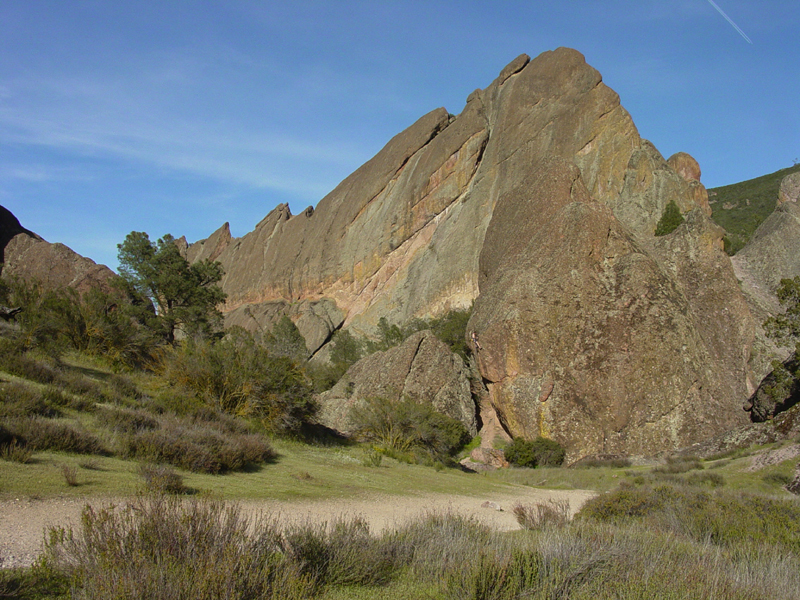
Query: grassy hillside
[{"x": 741, "y": 207}]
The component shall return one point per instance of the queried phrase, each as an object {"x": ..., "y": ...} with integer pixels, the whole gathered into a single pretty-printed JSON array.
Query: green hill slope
[{"x": 741, "y": 207}]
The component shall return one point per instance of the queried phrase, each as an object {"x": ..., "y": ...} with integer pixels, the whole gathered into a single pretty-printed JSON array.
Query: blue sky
[{"x": 174, "y": 117}]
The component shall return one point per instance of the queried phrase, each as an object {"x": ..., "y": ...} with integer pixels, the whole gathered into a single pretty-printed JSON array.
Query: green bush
[
  {"x": 286, "y": 340},
  {"x": 408, "y": 427},
  {"x": 97, "y": 322},
  {"x": 22, "y": 401},
  {"x": 161, "y": 479},
  {"x": 540, "y": 452},
  {"x": 679, "y": 464},
  {"x": 725, "y": 518},
  {"x": 670, "y": 220},
  {"x": 169, "y": 547},
  {"x": 687, "y": 544},
  {"x": 196, "y": 445},
  {"x": 47, "y": 434},
  {"x": 14, "y": 360},
  {"x": 237, "y": 376},
  {"x": 127, "y": 421}
]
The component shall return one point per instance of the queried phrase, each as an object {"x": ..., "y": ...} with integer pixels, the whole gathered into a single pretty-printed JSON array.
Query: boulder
[
  {"x": 790, "y": 188},
  {"x": 422, "y": 368}
]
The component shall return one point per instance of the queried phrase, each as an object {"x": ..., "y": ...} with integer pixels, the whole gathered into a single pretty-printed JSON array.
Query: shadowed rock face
[
  {"x": 26, "y": 255},
  {"x": 540, "y": 201}
]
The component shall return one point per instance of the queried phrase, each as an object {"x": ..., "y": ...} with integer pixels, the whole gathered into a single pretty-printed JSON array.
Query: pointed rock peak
[
  {"x": 276, "y": 215},
  {"x": 223, "y": 233},
  {"x": 515, "y": 66},
  {"x": 685, "y": 165},
  {"x": 10, "y": 226}
]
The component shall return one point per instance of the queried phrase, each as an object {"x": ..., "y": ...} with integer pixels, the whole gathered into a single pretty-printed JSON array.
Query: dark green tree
[
  {"x": 786, "y": 327},
  {"x": 782, "y": 386},
  {"x": 670, "y": 219},
  {"x": 185, "y": 296},
  {"x": 286, "y": 340}
]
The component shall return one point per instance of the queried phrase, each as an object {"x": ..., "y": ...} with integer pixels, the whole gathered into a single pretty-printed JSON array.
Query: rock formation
[
  {"x": 422, "y": 368},
  {"x": 790, "y": 189},
  {"x": 26, "y": 255},
  {"x": 539, "y": 202}
]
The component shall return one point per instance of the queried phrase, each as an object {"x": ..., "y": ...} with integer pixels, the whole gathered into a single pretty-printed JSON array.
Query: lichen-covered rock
[
  {"x": 422, "y": 368},
  {"x": 790, "y": 188},
  {"x": 400, "y": 238},
  {"x": 572, "y": 304}
]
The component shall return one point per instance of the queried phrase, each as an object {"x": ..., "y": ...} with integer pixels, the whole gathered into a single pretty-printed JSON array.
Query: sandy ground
[{"x": 23, "y": 521}]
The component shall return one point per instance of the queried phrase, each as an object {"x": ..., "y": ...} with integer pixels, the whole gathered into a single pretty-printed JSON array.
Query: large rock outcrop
[
  {"x": 422, "y": 368},
  {"x": 401, "y": 236},
  {"x": 591, "y": 337},
  {"x": 538, "y": 201},
  {"x": 27, "y": 256}
]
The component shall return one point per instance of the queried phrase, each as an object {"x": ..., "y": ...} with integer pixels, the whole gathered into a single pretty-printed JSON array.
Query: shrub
[
  {"x": 724, "y": 518},
  {"x": 161, "y": 479},
  {"x": 127, "y": 421},
  {"x": 408, "y": 426},
  {"x": 540, "y": 452},
  {"x": 237, "y": 376},
  {"x": 594, "y": 462},
  {"x": 70, "y": 473},
  {"x": 16, "y": 452},
  {"x": 286, "y": 340},
  {"x": 197, "y": 446},
  {"x": 46, "y": 434},
  {"x": 166, "y": 547},
  {"x": 679, "y": 464},
  {"x": 15, "y": 361},
  {"x": 670, "y": 219},
  {"x": 338, "y": 553},
  {"x": 553, "y": 513},
  {"x": 21, "y": 401}
]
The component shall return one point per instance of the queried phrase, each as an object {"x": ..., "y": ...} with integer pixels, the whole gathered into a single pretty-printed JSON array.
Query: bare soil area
[{"x": 24, "y": 521}]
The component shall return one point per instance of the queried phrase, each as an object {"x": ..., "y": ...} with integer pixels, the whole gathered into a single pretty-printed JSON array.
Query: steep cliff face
[
  {"x": 401, "y": 236},
  {"x": 599, "y": 340},
  {"x": 539, "y": 201},
  {"x": 26, "y": 255}
]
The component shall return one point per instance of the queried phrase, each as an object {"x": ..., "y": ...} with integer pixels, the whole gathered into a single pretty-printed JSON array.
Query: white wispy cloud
[{"x": 149, "y": 115}]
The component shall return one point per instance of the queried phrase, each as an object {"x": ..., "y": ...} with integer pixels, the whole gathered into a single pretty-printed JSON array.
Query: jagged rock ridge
[{"x": 540, "y": 201}]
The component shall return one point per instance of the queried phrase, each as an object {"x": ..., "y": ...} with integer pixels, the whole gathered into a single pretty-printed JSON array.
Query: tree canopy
[{"x": 184, "y": 296}]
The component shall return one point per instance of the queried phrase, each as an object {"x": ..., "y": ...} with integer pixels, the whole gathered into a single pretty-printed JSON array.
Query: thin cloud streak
[{"x": 729, "y": 20}]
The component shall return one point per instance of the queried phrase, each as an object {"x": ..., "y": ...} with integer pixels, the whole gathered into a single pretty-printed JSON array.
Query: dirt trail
[{"x": 23, "y": 521}]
